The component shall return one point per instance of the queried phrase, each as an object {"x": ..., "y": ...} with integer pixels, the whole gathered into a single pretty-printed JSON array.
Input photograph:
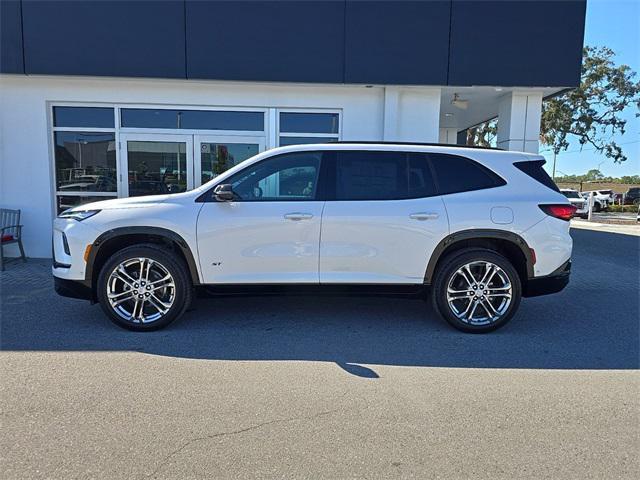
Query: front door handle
[
  {"x": 424, "y": 216},
  {"x": 296, "y": 216}
]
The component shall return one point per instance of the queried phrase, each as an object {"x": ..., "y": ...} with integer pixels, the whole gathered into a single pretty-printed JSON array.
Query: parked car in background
[
  {"x": 479, "y": 228},
  {"x": 577, "y": 201},
  {"x": 632, "y": 196},
  {"x": 600, "y": 201}
]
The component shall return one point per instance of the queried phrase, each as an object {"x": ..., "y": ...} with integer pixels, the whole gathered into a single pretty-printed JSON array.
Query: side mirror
[{"x": 223, "y": 193}]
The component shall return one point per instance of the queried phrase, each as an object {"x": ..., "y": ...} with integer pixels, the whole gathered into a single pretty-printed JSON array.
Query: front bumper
[
  {"x": 72, "y": 289},
  {"x": 548, "y": 284}
]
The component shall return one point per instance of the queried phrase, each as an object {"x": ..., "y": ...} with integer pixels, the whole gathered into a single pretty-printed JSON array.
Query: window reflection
[
  {"x": 156, "y": 167},
  {"x": 302, "y": 122},
  {"x": 83, "y": 117},
  {"x": 192, "y": 119},
  {"x": 85, "y": 162},
  {"x": 217, "y": 158},
  {"x": 68, "y": 201}
]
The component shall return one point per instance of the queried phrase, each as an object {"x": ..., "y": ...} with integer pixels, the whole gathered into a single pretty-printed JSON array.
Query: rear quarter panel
[{"x": 521, "y": 196}]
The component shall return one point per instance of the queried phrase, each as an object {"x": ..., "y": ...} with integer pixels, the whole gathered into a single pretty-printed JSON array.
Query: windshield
[{"x": 571, "y": 194}]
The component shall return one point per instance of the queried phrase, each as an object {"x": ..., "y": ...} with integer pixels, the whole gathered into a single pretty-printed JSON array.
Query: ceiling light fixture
[{"x": 459, "y": 103}]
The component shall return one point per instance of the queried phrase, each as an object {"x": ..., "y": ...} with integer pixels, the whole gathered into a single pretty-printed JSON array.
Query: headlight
[{"x": 78, "y": 215}]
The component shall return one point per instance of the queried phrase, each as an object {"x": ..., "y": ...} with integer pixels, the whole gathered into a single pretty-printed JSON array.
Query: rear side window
[
  {"x": 534, "y": 170},
  {"x": 371, "y": 175},
  {"x": 457, "y": 174},
  {"x": 420, "y": 177}
]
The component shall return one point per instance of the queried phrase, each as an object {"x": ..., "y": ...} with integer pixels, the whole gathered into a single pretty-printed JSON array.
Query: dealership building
[{"x": 117, "y": 98}]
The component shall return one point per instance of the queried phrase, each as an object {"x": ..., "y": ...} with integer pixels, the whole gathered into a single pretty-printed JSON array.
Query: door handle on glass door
[
  {"x": 298, "y": 216},
  {"x": 424, "y": 216}
]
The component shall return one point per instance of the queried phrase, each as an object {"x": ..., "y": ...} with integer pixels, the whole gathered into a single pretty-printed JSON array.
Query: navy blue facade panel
[
  {"x": 11, "y": 59},
  {"x": 397, "y": 41},
  {"x": 107, "y": 38},
  {"x": 516, "y": 43},
  {"x": 295, "y": 41}
]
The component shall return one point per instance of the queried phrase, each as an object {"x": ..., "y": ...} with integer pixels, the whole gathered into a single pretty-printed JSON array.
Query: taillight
[{"x": 563, "y": 212}]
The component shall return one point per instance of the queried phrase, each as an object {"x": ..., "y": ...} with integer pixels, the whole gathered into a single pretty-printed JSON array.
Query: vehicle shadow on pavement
[{"x": 592, "y": 324}]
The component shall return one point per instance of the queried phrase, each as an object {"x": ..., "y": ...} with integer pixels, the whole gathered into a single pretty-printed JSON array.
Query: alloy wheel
[
  {"x": 479, "y": 293},
  {"x": 141, "y": 290}
]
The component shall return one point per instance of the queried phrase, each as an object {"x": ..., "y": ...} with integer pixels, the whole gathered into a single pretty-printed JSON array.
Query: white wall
[
  {"x": 26, "y": 170},
  {"x": 519, "y": 115}
]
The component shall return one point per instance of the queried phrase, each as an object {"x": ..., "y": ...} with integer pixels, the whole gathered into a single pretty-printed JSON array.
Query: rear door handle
[
  {"x": 296, "y": 216},
  {"x": 424, "y": 216}
]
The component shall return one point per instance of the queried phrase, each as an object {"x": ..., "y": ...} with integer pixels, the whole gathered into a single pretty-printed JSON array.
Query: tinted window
[
  {"x": 420, "y": 177},
  {"x": 370, "y": 175},
  {"x": 458, "y": 174},
  {"x": 367, "y": 175},
  {"x": 83, "y": 117},
  {"x": 192, "y": 119},
  {"x": 534, "y": 170},
  {"x": 85, "y": 162},
  {"x": 309, "y": 122},
  {"x": 291, "y": 176},
  {"x": 571, "y": 194},
  {"x": 284, "y": 141}
]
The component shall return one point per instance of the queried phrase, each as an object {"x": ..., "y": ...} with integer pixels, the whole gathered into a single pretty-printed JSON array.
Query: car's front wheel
[
  {"x": 476, "y": 291},
  {"x": 144, "y": 287}
]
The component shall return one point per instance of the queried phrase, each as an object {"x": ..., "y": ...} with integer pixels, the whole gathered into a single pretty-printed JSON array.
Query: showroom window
[
  {"x": 297, "y": 127},
  {"x": 192, "y": 119},
  {"x": 84, "y": 155}
]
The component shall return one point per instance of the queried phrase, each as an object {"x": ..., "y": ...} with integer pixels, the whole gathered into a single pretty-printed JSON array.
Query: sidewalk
[{"x": 607, "y": 227}]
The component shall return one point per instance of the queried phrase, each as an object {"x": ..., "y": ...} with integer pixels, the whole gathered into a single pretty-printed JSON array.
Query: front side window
[{"x": 287, "y": 177}]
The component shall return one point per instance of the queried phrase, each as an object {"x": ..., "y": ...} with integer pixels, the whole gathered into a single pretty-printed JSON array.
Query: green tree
[
  {"x": 592, "y": 112},
  {"x": 484, "y": 134},
  {"x": 593, "y": 175}
]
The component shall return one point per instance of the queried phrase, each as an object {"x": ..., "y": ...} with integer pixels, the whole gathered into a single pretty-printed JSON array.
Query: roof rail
[{"x": 420, "y": 144}]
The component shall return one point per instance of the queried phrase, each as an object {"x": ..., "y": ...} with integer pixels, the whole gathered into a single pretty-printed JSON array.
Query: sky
[{"x": 614, "y": 24}]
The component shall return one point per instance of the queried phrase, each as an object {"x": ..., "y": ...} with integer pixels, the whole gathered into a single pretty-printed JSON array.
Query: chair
[{"x": 10, "y": 232}]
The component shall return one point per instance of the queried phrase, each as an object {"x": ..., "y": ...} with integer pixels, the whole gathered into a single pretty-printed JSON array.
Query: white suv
[
  {"x": 480, "y": 227},
  {"x": 578, "y": 201}
]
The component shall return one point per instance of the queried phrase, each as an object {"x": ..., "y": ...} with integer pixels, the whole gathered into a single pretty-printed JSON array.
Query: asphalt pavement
[{"x": 327, "y": 387}]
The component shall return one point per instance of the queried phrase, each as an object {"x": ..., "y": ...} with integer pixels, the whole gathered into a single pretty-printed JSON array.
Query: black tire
[
  {"x": 448, "y": 267},
  {"x": 182, "y": 293},
  {"x": 597, "y": 207}
]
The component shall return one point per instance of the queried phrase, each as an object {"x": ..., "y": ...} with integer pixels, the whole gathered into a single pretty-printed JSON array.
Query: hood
[{"x": 130, "y": 202}]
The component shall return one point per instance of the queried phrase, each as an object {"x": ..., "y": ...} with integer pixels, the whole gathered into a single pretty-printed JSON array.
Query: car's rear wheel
[
  {"x": 476, "y": 291},
  {"x": 144, "y": 287}
]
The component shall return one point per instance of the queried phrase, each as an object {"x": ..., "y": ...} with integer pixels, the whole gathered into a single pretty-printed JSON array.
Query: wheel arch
[
  {"x": 509, "y": 244},
  {"x": 116, "y": 239}
]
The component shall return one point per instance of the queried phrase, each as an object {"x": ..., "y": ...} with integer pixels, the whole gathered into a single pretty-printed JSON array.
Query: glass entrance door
[
  {"x": 156, "y": 164},
  {"x": 215, "y": 154}
]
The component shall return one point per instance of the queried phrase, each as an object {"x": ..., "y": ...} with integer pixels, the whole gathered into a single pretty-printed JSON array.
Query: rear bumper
[
  {"x": 72, "y": 289},
  {"x": 548, "y": 284}
]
